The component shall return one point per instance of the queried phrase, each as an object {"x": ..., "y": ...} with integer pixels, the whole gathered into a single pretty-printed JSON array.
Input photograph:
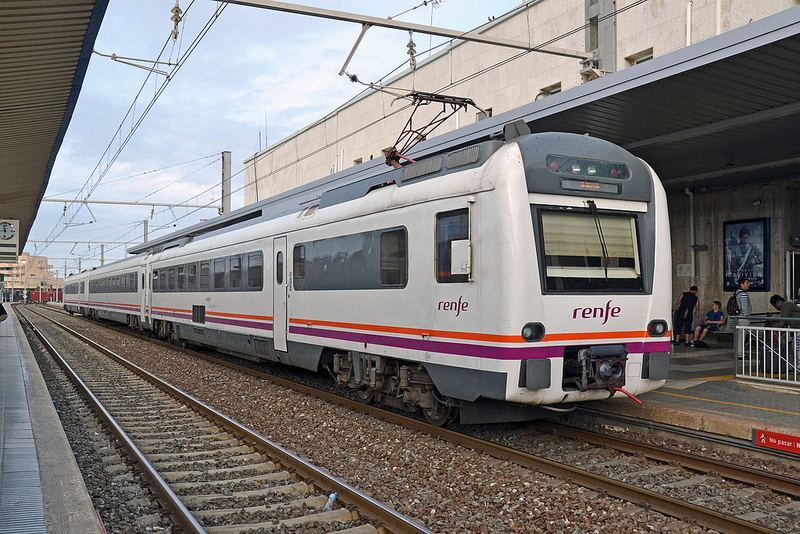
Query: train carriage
[{"x": 490, "y": 281}]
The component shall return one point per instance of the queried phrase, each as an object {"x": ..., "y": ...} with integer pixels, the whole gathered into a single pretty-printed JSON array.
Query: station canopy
[{"x": 44, "y": 51}]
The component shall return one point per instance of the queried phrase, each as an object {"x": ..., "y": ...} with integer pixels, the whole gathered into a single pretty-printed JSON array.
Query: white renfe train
[{"x": 488, "y": 281}]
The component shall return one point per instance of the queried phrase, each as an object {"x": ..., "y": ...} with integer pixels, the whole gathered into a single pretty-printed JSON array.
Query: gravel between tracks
[{"x": 449, "y": 488}]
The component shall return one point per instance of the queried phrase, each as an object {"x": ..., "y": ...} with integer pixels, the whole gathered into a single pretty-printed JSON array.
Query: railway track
[
  {"x": 618, "y": 468},
  {"x": 211, "y": 473}
]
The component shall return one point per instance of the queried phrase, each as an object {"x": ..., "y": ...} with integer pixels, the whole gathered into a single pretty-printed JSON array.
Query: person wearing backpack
[{"x": 686, "y": 307}]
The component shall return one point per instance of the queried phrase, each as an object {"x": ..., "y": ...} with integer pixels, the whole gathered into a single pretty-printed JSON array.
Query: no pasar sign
[{"x": 774, "y": 440}]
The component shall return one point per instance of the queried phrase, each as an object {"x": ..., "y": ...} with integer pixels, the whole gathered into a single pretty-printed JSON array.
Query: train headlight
[
  {"x": 533, "y": 332},
  {"x": 605, "y": 370},
  {"x": 657, "y": 328},
  {"x": 610, "y": 370}
]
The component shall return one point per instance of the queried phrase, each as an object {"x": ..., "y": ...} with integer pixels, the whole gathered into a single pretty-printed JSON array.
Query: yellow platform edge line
[{"x": 728, "y": 403}]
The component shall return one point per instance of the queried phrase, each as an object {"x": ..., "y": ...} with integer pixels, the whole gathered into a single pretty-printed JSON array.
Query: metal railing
[{"x": 767, "y": 349}]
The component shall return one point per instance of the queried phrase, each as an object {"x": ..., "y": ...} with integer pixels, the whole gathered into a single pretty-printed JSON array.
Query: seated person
[{"x": 712, "y": 322}]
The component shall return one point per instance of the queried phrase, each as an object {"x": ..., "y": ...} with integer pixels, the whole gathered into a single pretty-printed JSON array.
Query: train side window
[
  {"x": 255, "y": 270},
  {"x": 450, "y": 226},
  {"x": 219, "y": 273},
  {"x": 205, "y": 275},
  {"x": 235, "y": 280},
  {"x": 155, "y": 280},
  {"x": 394, "y": 258},
  {"x": 299, "y": 261},
  {"x": 171, "y": 279},
  {"x": 181, "y": 278},
  {"x": 191, "y": 271},
  {"x": 279, "y": 268}
]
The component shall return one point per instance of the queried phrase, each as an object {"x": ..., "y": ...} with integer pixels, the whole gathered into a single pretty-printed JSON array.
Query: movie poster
[{"x": 746, "y": 252}]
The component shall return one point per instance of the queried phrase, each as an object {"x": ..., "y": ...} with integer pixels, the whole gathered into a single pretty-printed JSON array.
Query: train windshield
[{"x": 590, "y": 251}]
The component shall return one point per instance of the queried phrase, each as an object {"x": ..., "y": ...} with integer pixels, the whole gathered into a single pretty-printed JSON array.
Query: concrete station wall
[{"x": 777, "y": 201}]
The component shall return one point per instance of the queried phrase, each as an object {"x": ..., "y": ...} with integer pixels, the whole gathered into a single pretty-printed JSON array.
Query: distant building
[{"x": 30, "y": 273}]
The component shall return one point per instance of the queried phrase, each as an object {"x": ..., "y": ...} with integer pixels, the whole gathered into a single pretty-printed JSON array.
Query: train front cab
[{"x": 601, "y": 235}]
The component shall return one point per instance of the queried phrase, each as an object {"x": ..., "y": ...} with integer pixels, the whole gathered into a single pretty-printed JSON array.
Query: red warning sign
[{"x": 773, "y": 440}]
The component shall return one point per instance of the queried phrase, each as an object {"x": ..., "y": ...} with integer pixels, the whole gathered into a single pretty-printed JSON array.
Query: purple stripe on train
[
  {"x": 463, "y": 349},
  {"x": 211, "y": 319}
]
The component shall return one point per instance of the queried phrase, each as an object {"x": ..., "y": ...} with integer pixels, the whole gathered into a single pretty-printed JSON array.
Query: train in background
[{"x": 497, "y": 281}]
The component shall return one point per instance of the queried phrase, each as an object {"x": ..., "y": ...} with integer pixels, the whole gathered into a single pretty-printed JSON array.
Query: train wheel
[
  {"x": 440, "y": 415},
  {"x": 366, "y": 395}
]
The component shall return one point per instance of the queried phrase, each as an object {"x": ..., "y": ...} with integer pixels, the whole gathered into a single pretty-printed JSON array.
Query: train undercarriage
[{"x": 401, "y": 385}]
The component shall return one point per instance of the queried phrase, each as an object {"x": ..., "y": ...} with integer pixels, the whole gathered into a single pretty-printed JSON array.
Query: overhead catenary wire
[
  {"x": 404, "y": 93},
  {"x": 91, "y": 183},
  {"x": 450, "y": 85},
  {"x": 138, "y": 174},
  {"x": 181, "y": 178}
]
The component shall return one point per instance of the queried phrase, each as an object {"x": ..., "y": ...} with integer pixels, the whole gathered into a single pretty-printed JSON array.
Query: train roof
[
  {"x": 356, "y": 182},
  {"x": 431, "y": 159}
]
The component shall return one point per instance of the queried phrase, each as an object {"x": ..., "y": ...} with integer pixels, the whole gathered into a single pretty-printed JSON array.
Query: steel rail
[
  {"x": 392, "y": 520},
  {"x": 178, "y": 511},
  {"x": 748, "y": 475},
  {"x": 643, "y": 497}
]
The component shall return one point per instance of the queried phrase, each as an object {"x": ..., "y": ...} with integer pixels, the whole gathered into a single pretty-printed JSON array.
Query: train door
[
  {"x": 279, "y": 293},
  {"x": 145, "y": 275}
]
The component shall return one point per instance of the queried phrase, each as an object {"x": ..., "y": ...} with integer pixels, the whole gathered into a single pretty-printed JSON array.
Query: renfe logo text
[
  {"x": 597, "y": 313},
  {"x": 457, "y": 307}
]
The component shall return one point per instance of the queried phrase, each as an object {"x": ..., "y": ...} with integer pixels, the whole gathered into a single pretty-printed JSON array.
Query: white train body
[{"x": 534, "y": 271}]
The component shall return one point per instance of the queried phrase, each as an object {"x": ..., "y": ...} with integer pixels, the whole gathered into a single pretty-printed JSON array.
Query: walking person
[{"x": 686, "y": 307}]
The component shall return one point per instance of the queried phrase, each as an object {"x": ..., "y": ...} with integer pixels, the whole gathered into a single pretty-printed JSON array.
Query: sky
[{"x": 254, "y": 78}]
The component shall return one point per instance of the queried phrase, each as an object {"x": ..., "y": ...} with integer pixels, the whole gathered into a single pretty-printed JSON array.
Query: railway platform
[
  {"x": 41, "y": 488},
  {"x": 702, "y": 394}
]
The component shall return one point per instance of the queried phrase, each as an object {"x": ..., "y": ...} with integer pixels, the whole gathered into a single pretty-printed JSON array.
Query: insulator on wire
[
  {"x": 411, "y": 50},
  {"x": 176, "y": 18}
]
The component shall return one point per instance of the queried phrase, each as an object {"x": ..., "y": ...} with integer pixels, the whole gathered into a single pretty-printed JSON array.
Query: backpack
[{"x": 733, "y": 306}]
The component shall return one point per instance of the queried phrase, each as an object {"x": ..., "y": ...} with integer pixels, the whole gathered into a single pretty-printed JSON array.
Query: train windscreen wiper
[{"x": 606, "y": 258}]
